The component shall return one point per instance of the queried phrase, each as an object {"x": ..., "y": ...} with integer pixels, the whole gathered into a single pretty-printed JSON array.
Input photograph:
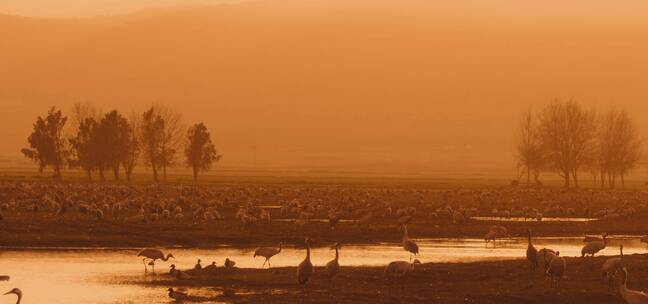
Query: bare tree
[
  {"x": 619, "y": 147},
  {"x": 529, "y": 149},
  {"x": 567, "y": 132},
  {"x": 172, "y": 137},
  {"x": 81, "y": 111},
  {"x": 152, "y": 132}
]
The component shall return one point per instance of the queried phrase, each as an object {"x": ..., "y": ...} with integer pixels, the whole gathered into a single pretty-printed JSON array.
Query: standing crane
[
  {"x": 267, "y": 253},
  {"x": 594, "y": 247},
  {"x": 333, "y": 266},
  {"x": 305, "y": 268},
  {"x": 630, "y": 296},
  {"x": 153, "y": 254},
  {"x": 532, "y": 254},
  {"x": 408, "y": 244},
  {"x": 556, "y": 270},
  {"x": 611, "y": 267},
  {"x": 399, "y": 269}
]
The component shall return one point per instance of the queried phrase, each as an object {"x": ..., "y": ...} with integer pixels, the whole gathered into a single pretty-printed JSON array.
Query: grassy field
[{"x": 19, "y": 229}]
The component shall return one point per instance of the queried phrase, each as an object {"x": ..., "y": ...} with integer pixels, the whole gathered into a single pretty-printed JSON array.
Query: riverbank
[
  {"x": 498, "y": 282},
  {"x": 54, "y": 232}
]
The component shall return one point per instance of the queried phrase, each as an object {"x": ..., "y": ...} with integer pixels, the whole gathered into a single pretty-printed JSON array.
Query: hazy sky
[
  {"x": 412, "y": 85},
  {"x": 81, "y": 8}
]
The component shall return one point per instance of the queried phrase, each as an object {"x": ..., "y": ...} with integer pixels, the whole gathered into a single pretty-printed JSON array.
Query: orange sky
[{"x": 399, "y": 86}]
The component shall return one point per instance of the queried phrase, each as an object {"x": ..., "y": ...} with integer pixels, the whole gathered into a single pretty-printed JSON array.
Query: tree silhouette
[
  {"x": 567, "y": 132},
  {"x": 47, "y": 146},
  {"x": 152, "y": 132},
  {"x": 199, "y": 151},
  {"x": 619, "y": 147},
  {"x": 133, "y": 145},
  {"x": 112, "y": 136},
  {"x": 85, "y": 148}
]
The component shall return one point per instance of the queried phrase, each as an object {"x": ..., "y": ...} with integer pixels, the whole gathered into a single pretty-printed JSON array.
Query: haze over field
[{"x": 397, "y": 86}]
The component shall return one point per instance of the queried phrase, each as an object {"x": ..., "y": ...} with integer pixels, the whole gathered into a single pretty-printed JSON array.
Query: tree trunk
[
  {"x": 566, "y": 176},
  {"x": 116, "y": 172},
  {"x": 57, "y": 171},
  {"x": 155, "y": 173},
  {"x": 129, "y": 173}
]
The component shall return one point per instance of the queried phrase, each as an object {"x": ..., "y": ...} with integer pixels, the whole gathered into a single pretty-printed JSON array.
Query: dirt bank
[{"x": 64, "y": 233}]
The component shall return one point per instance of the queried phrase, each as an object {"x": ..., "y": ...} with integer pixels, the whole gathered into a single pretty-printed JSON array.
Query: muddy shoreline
[{"x": 57, "y": 233}]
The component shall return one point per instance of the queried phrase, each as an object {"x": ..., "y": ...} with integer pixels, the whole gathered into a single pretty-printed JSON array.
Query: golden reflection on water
[{"x": 88, "y": 275}]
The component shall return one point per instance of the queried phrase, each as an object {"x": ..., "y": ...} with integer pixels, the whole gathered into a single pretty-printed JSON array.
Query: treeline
[
  {"x": 566, "y": 138},
  {"x": 110, "y": 142}
]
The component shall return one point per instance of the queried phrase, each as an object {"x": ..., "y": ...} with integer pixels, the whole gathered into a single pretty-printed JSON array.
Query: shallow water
[
  {"x": 524, "y": 219},
  {"x": 87, "y": 275}
]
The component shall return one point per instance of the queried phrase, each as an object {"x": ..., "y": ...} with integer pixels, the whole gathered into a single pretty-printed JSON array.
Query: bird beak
[{"x": 8, "y": 292}]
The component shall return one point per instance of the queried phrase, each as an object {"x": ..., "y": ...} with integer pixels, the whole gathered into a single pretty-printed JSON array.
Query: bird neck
[
  {"x": 166, "y": 258},
  {"x": 19, "y": 299},
  {"x": 529, "y": 238},
  {"x": 280, "y": 245},
  {"x": 307, "y": 251},
  {"x": 621, "y": 249},
  {"x": 405, "y": 234},
  {"x": 337, "y": 254}
]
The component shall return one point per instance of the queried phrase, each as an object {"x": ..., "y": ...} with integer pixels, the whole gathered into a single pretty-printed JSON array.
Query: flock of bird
[
  {"x": 367, "y": 206},
  {"x": 395, "y": 269},
  {"x": 612, "y": 270}
]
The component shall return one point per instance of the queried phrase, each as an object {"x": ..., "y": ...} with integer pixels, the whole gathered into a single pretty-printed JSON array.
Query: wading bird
[
  {"x": 556, "y": 270},
  {"x": 177, "y": 295},
  {"x": 399, "y": 269},
  {"x": 198, "y": 266},
  {"x": 18, "y": 293},
  {"x": 210, "y": 267},
  {"x": 153, "y": 254},
  {"x": 546, "y": 254},
  {"x": 408, "y": 244},
  {"x": 532, "y": 254},
  {"x": 229, "y": 263},
  {"x": 179, "y": 274},
  {"x": 629, "y": 295},
  {"x": 305, "y": 268},
  {"x": 611, "y": 266},
  {"x": 333, "y": 266},
  {"x": 267, "y": 253},
  {"x": 594, "y": 247}
]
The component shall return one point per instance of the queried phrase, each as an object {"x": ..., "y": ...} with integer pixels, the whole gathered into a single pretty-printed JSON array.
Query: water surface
[{"x": 59, "y": 276}]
